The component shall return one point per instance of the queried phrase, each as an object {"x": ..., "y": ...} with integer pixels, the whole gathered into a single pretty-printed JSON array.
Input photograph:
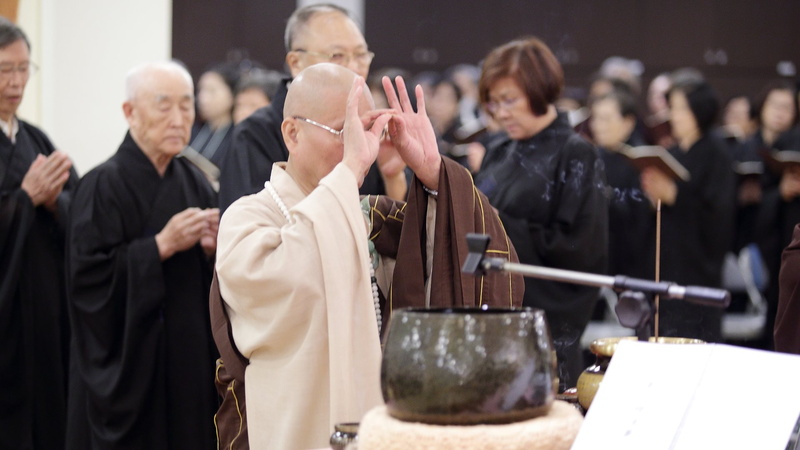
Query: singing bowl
[{"x": 468, "y": 366}]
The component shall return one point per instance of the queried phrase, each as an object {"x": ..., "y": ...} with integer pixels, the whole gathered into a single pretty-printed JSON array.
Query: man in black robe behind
[
  {"x": 314, "y": 34},
  {"x": 35, "y": 185},
  {"x": 140, "y": 248}
]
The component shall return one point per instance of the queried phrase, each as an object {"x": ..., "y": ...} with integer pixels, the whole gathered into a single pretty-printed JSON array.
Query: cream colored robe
[{"x": 308, "y": 328}]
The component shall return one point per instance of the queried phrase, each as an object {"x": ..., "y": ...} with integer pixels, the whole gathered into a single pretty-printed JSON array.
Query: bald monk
[{"x": 295, "y": 260}]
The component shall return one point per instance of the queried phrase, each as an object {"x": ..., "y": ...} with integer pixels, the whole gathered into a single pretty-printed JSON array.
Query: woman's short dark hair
[
  {"x": 10, "y": 33},
  {"x": 775, "y": 85},
  {"x": 530, "y": 63},
  {"x": 624, "y": 100},
  {"x": 702, "y": 101},
  {"x": 267, "y": 81}
]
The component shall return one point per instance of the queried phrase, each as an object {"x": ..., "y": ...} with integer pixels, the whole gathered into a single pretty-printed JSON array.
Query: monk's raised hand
[
  {"x": 208, "y": 238},
  {"x": 412, "y": 132},
  {"x": 46, "y": 177},
  {"x": 360, "y": 143},
  {"x": 183, "y": 230}
]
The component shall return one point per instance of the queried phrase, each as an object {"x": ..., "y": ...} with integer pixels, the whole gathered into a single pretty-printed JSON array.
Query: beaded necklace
[{"x": 375, "y": 294}]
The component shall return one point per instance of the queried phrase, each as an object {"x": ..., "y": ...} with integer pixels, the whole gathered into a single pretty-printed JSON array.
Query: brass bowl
[
  {"x": 603, "y": 348},
  {"x": 468, "y": 366},
  {"x": 607, "y": 346}
]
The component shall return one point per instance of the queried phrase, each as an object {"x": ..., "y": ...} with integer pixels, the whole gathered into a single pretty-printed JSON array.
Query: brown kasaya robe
[{"x": 787, "y": 320}]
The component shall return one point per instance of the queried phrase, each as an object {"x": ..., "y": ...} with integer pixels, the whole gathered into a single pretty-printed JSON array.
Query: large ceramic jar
[{"x": 468, "y": 366}]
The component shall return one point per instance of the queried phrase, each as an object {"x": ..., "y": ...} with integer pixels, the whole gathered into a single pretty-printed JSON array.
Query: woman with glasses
[{"x": 547, "y": 183}]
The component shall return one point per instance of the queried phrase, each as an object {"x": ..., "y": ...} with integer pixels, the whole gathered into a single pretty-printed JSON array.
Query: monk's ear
[
  {"x": 289, "y": 130},
  {"x": 127, "y": 109}
]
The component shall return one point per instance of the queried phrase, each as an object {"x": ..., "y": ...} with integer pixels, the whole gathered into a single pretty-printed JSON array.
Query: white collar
[{"x": 10, "y": 129}]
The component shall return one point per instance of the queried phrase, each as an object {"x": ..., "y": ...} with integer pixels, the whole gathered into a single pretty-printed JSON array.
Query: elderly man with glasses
[
  {"x": 36, "y": 181},
  {"x": 314, "y": 34}
]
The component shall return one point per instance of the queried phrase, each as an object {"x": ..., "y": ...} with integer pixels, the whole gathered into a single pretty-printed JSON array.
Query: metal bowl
[{"x": 468, "y": 366}]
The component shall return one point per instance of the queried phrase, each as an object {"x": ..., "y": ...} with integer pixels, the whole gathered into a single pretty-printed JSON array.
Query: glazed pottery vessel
[
  {"x": 344, "y": 434},
  {"x": 468, "y": 366},
  {"x": 603, "y": 349}
]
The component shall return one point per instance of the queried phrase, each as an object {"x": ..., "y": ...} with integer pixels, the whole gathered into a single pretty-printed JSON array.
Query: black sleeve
[{"x": 257, "y": 144}]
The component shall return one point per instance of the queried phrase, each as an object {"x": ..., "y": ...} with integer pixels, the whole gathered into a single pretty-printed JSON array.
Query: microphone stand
[{"x": 635, "y": 307}]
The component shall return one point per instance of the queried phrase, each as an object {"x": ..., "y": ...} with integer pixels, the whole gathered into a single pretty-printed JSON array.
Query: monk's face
[
  {"x": 161, "y": 113},
  {"x": 15, "y": 60},
  {"x": 330, "y": 37},
  {"x": 321, "y": 144}
]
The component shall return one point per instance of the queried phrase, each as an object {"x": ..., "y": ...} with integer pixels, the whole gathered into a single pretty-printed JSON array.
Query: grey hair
[
  {"x": 298, "y": 21},
  {"x": 133, "y": 79},
  {"x": 10, "y": 33}
]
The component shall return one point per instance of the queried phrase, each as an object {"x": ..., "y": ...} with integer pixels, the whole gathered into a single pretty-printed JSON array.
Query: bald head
[
  {"x": 143, "y": 74},
  {"x": 319, "y": 92}
]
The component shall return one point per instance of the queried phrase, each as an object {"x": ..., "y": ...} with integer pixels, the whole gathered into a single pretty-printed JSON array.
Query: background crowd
[{"x": 548, "y": 157}]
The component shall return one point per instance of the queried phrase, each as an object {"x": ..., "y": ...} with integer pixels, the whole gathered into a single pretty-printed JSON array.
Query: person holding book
[
  {"x": 775, "y": 112},
  {"x": 779, "y": 210},
  {"x": 613, "y": 126},
  {"x": 765, "y": 189},
  {"x": 696, "y": 214},
  {"x": 548, "y": 186}
]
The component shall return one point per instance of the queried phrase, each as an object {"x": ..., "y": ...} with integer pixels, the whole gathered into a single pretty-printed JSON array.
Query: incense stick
[{"x": 658, "y": 263}]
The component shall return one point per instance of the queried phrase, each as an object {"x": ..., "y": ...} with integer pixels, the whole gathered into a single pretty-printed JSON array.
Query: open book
[
  {"x": 658, "y": 157},
  {"x": 747, "y": 169},
  {"x": 779, "y": 160}
]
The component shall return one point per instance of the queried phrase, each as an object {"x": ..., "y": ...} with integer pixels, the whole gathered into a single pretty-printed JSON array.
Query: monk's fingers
[
  {"x": 56, "y": 164},
  {"x": 212, "y": 217},
  {"x": 379, "y": 126},
  {"x": 405, "y": 101},
  {"x": 56, "y": 183},
  {"x": 368, "y": 117},
  {"x": 391, "y": 95},
  {"x": 420, "y": 100},
  {"x": 353, "y": 99}
]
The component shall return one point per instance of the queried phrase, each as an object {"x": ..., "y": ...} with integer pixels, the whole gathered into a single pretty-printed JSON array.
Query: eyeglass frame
[
  {"x": 350, "y": 56},
  {"x": 25, "y": 69},
  {"x": 338, "y": 133},
  {"x": 506, "y": 104}
]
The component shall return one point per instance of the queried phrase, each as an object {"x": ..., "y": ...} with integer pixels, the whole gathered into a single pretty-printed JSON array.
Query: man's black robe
[
  {"x": 258, "y": 144},
  {"x": 34, "y": 329},
  {"x": 142, "y": 340},
  {"x": 550, "y": 191}
]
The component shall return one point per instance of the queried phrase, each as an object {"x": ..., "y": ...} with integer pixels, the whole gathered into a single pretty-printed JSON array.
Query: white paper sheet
[{"x": 661, "y": 396}]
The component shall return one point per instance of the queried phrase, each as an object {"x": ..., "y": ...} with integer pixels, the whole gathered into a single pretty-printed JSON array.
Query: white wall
[{"x": 84, "y": 48}]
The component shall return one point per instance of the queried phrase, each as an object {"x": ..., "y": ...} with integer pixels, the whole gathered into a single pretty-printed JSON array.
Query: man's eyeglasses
[
  {"x": 506, "y": 104},
  {"x": 362, "y": 58},
  {"x": 7, "y": 70},
  {"x": 338, "y": 133}
]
